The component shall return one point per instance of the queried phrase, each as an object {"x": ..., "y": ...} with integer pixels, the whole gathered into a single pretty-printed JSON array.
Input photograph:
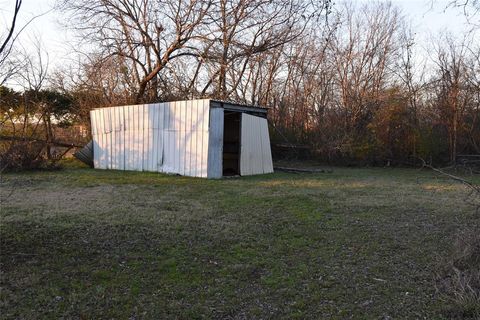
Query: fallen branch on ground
[
  {"x": 474, "y": 187},
  {"x": 301, "y": 170}
]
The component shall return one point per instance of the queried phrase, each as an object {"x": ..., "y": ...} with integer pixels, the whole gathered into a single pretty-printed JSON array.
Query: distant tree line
[{"x": 347, "y": 80}]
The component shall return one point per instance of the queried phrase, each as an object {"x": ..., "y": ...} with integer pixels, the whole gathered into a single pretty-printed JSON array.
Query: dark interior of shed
[{"x": 231, "y": 143}]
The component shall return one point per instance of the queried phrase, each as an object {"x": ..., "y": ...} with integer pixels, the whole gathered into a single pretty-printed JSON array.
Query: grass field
[{"x": 353, "y": 243}]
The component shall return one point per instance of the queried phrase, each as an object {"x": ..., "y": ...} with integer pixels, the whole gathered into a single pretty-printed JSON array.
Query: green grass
[{"x": 354, "y": 243}]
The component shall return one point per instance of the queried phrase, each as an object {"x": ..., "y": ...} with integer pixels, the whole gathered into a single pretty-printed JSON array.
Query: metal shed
[{"x": 198, "y": 138}]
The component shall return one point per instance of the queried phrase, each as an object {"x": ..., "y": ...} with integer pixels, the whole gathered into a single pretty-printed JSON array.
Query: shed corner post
[{"x": 215, "y": 141}]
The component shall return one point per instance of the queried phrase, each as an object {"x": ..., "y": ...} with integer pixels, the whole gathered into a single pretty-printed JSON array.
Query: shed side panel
[
  {"x": 128, "y": 114},
  {"x": 173, "y": 137},
  {"x": 182, "y": 136},
  {"x": 114, "y": 154},
  {"x": 215, "y": 143},
  {"x": 176, "y": 129},
  {"x": 147, "y": 143},
  {"x": 102, "y": 160},
  {"x": 129, "y": 153},
  {"x": 107, "y": 135},
  {"x": 99, "y": 129},
  {"x": 188, "y": 136},
  {"x": 266, "y": 148},
  {"x": 168, "y": 137},
  {"x": 95, "y": 138},
  {"x": 205, "y": 118},
  {"x": 126, "y": 137},
  {"x": 147, "y": 150},
  {"x": 169, "y": 142},
  {"x": 178, "y": 137},
  {"x": 138, "y": 138},
  {"x": 159, "y": 133},
  {"x": 134, "y": 138},
  {"x": 255, "y": 146},
  {"x": 246, "y": 145},
  {"x": 122, "y": 134},
  {"x": 107, "y": 120},
  {"x": 194, "y": 156},
  {"x": 152, "y": 154}
]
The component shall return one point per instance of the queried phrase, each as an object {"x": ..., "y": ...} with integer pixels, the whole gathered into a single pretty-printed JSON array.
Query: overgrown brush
[
  {"x": 24, "y": 155},
  {"x": 458, "y": 281}
]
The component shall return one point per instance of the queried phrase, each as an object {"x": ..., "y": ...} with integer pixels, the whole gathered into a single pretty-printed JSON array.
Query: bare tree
[
  {"x": 242, "y": 29},
  {"x": 8, "y": 39},
  {"x": 147, "y": 34},
  {"x": 11, "y": 66},
  {"x": 354, "y": 88},
  {"x": 451, "y": 98},
  {"x": 364, "y": 48},
  {"x": 473, "y": 86},
  {"x": 410, "y": 70},
  {"x": 6, "y": 45},
  {"x": 470, "y": 8}
]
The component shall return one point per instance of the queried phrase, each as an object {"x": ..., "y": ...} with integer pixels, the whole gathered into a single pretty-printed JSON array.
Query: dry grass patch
[{"x": 354, "y": 243}]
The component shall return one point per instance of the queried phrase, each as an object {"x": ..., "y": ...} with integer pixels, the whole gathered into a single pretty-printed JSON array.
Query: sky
[{"x": 428, "y": 18}]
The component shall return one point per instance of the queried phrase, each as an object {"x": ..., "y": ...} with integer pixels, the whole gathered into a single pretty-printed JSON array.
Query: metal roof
[
  {"x": 239, "y": 107},
  {"x": 226, "y": 104},
  {"x": 231, "y": 102}
]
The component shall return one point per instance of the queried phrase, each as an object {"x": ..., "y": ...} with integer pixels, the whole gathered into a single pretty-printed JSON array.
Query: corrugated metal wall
[
  {"x": 167, "y": 137},
  {"x": 255, "y": 152},
  {"x": 215, "y": 143}
]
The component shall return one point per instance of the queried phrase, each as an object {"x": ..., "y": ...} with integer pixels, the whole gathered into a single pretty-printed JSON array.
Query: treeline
[{"x": 354, "y": 83}]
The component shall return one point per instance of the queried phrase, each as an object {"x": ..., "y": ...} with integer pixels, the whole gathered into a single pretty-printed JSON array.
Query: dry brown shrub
[
  {"x": 21, "y": 155},
  {"x": 458, "y": 281}
]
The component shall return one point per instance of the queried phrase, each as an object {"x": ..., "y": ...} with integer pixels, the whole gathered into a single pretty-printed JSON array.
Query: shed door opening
[{"x": 231, "y": 143}]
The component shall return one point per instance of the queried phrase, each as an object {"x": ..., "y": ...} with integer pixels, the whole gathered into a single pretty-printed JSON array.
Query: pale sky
[{"x": 427, "y": 21}]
